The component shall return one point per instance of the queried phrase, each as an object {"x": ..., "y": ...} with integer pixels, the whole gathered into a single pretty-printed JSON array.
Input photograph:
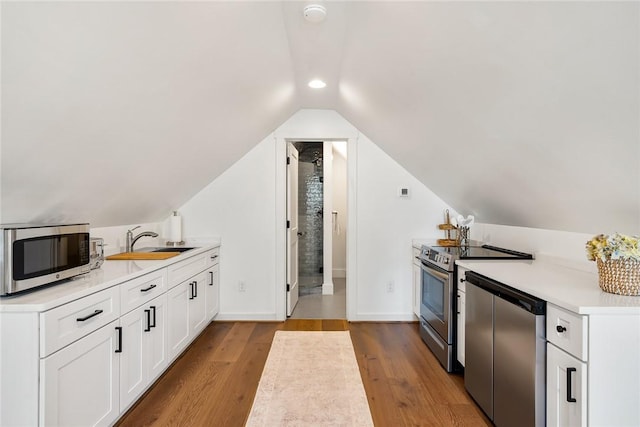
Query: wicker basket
[{"x": 619, "y": 276}]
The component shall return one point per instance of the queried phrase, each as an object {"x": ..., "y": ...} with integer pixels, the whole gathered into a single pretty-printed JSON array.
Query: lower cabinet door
[
  {"x": 198, "y": 304},
  {"x": 79, "y": 383},
  {"x": 417, "y": 292},
  {"x": 144, "y": 353},
  {"x": 566, "y": 389},
  {"x": 178, "y": 318},
  {"x": 461, "y": 320},
  {"x": 157, "y": 356},
  {"x": 213, "y": 292},
  {"x": 132, "y": 376}
]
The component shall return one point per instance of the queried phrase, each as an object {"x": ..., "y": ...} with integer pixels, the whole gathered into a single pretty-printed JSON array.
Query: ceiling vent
[{"x": 315, "y": 13}]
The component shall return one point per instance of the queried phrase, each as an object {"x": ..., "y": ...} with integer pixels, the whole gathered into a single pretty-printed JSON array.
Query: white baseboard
[
  {"x": 327, "y": 288},
  {"x": 384, "y": 317},
  {"x": 339, "y": 273},
  {"x": 247, "y": 316}
]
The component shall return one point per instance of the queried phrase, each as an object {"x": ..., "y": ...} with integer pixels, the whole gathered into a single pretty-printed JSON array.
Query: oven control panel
[{"x": 432, "y": 256}]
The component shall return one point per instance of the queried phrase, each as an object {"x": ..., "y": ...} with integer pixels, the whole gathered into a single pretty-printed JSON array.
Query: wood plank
[
  {"x": 124, "y": 256},
  {"x": 215, "y": 381}
]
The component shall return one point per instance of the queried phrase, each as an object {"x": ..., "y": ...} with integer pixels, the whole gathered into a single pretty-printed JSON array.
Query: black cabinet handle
[
  {"x": 89, "y": 316},
  {"x": 192, "y": 296},
  {"x": 211, "y": 273},
  {"x": 560, "y": 329},
  {"x": 119, "y": 349},
  {"x": 196, "y": 288},
  {"x": 148, "y": 327},
  {"x": 462, "y": 280},
  {"x": 147, "y": 289},
  {"x": 214, "y": 257},
  {"x": 569, "y": 393},
  {"x": 153, "y": 322}
]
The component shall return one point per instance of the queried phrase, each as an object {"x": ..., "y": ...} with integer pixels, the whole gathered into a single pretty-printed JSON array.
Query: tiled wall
[{"x": 310, "y": 188}]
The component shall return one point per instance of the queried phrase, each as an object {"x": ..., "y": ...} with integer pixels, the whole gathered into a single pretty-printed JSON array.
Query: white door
[
  {"x": 212, "y": 292},
  {"x": 132, "y": 376},
  {"x": 197, "y": 309},
  {"x": 292, "y": 228},
  {"x": 79, "y": 384},
  {"x": 178, "y": 318},
  {"x": 566, "y": 389},
  {"x": 157, "y": 357}
]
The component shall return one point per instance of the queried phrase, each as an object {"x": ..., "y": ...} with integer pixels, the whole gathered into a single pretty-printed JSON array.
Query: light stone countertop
[
  {"x": 111, "y": 273},
  {"x": 564, "y": 284}
]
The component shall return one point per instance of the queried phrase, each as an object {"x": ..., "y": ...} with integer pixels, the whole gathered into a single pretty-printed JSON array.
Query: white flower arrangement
[{"x": 615, "y": 246}]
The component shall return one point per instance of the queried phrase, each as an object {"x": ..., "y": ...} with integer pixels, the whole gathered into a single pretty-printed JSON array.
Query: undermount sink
[
  {"x": 180, "y": 249},
  {"x": 167, "y": 249}
]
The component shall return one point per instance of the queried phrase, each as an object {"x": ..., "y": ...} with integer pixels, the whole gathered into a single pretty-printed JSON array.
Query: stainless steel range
[{"x": 438, "y": 290}]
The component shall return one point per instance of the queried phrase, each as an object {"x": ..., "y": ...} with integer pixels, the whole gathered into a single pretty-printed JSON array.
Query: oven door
[{"x": 435, "y": 301}]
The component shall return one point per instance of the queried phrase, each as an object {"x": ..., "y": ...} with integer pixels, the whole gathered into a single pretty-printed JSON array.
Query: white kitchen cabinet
[
  {"x": 212, "y": 289},
  {"x": 567, "y": 356},
  {"x": 417, "y": 278},
  {"x": 187, "y": 313},
  {"x": 197, "y": 304},
  {"x": 212, "y": 292},
  {"x": 461, "y": 301},
  {"x": 70, "y": 322},
  {"x": 144, "y": 352},
  {"x": 82, "y": 353},
  {"x": 566, "y": 389},
  {"x": 79, "y": 384},
  {"x": 178, "y": 319}
]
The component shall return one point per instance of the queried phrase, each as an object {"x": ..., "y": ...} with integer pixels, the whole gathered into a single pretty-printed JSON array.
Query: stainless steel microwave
[{"x": 33, "y": 255}]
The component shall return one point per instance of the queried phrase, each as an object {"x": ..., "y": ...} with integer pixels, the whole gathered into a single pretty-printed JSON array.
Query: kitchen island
[{"x": 593, "y": 340}]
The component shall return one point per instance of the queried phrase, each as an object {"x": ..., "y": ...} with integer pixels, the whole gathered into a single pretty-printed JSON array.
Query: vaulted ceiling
[{"x": 523, "y": 113}]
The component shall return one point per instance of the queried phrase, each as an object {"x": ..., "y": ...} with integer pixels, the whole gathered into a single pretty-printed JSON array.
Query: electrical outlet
[
  {"x": 390, "y": 287},
  {"x": 241, "y": 287}
]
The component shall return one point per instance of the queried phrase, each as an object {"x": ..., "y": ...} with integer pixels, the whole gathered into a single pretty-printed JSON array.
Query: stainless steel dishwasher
[{"x": 505, "y": 352}]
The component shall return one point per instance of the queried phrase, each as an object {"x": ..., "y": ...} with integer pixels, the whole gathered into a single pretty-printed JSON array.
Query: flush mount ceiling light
[
  {"x": 317, "y": 84},
  {"x": 315, "y": 13}
]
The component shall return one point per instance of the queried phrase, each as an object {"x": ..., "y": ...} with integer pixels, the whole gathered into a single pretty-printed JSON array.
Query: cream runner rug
[{"x": 310, "y": 379}]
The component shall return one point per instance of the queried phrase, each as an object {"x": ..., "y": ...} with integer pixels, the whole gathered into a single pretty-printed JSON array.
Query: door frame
[
  {"x": 292, "y": 230},
  {"x": 281, "y": 221}
]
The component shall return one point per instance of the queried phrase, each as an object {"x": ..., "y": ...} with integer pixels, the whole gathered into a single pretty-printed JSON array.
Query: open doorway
[{"x": 321, "y": 229}]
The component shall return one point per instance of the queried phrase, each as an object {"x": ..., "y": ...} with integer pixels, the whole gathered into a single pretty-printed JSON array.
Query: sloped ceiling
[{"x": 522, "y": 113}]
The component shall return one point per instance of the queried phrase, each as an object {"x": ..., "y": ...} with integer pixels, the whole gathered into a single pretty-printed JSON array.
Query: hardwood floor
[{"x": 215, "y": 380}]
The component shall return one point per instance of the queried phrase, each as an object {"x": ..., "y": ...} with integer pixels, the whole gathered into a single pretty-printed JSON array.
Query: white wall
[
  {"x": 115, "y": 237},
  {"x": 561, "y": 244},
  {"x": 386, "y": 224},
  {"x": 240, "y": 207}
]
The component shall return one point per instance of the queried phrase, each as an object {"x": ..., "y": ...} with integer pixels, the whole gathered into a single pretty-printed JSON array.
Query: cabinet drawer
[
  {"x": 462, "y": 279},
  {"x": 213, "y": 257},
  {"x": 183, "y": 270},
  {"x": 65, "y": 324},
  {"x": 136, "y": 292},
  {"x": 568, "y": 331}
]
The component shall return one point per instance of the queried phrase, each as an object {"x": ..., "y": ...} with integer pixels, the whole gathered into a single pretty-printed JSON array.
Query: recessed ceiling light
[{"x": 317, "y": 84}]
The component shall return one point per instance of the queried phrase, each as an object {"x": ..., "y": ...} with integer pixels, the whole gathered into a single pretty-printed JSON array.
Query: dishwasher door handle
[{"x": 569, "y": 392}]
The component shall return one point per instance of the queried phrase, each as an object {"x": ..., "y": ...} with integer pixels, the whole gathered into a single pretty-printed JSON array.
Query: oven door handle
[{"x": 435, "y": 273}]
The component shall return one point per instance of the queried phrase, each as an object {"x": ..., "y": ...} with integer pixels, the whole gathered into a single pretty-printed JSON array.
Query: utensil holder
[{"x": 463, "y": 235}]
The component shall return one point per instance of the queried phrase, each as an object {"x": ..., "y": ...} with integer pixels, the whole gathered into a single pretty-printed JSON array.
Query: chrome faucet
[{"x": 132, "y": 240}]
